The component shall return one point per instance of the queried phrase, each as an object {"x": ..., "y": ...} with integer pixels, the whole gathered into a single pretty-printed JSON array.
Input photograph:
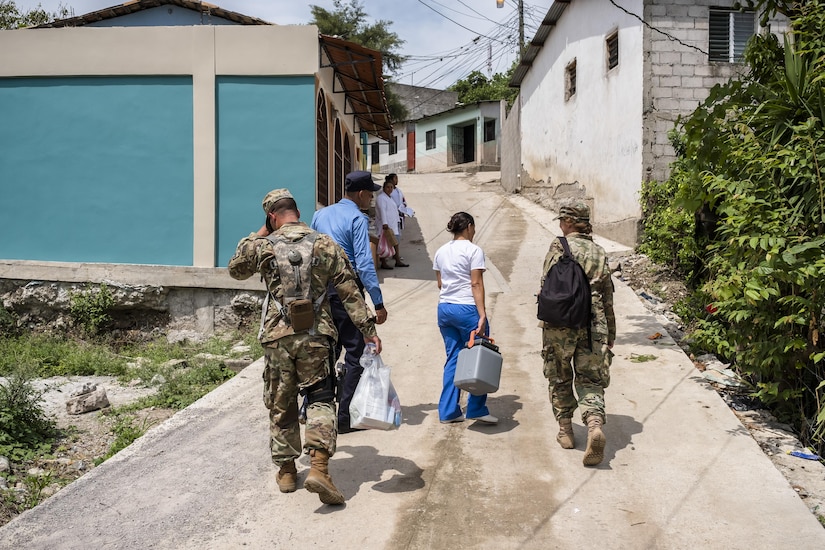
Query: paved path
[{"x": 680, "y": 471}]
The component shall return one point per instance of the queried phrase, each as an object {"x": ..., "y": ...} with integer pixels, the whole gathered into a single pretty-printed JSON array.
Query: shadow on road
[{"x": 370, "y": 466}]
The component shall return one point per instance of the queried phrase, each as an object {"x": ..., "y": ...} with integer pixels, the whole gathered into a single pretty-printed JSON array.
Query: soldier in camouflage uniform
[
  {"x": 570, "y": 357},
  {"x": 300, "y": 360}
]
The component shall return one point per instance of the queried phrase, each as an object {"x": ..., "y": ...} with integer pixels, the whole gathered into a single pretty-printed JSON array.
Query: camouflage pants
[
  {"x": 569, "y": 363},
  {"x": 291, "y": 364}
]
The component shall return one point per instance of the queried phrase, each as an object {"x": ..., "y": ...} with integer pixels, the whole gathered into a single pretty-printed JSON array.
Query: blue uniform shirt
[{"x": 349, "y": 227}]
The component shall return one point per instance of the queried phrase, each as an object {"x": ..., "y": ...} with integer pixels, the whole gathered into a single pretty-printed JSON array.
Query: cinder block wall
[{"x": 679, "y": 75}]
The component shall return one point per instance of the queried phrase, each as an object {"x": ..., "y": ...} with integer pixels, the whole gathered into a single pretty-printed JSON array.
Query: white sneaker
[
  {"x": 459, "y": 418},
  {"x": 486, "y": 419}
]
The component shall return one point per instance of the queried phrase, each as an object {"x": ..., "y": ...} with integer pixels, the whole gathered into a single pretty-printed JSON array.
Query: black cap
[{"x": 360, "y": 180}]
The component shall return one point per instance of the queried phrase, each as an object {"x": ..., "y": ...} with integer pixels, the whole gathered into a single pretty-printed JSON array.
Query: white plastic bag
[{"x": 375, "y": 403}]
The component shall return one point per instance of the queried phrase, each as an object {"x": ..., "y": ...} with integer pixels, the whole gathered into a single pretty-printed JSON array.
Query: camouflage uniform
[
  {"x": 561, "y": 346},
  {"x": 297, "y": 361}
]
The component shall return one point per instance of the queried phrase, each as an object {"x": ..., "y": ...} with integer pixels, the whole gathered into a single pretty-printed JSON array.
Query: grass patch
[{"x": 45, "y": 356}]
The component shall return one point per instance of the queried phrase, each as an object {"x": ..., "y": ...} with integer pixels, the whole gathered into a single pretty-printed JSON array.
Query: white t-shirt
[{"x": 455, "y": 260}]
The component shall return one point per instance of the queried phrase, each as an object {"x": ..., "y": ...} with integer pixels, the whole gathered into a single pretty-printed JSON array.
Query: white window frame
[{"x": 735, "y": 39}]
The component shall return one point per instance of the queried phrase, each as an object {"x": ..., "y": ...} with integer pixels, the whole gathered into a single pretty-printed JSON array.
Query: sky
[{"x": 445, "y": 40}]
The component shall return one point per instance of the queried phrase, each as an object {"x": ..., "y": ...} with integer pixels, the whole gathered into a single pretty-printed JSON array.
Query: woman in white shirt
[{"x": 459, "y": 268}]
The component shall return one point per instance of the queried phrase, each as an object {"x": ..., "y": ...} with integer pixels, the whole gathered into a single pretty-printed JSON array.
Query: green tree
[
  {"x": 753, "y": 156},
  {"x": 349, "y": 22},
  {"x": 477, "y": 87},
  {"x": 12, "y": 17}
]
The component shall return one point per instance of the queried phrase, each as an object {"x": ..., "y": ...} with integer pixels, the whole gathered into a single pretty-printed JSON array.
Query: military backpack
[
  {"x": 293, "y": 262},
  {"x": 565, "y": 299}
]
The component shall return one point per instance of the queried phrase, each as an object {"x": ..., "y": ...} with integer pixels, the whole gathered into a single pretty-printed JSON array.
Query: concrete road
[{"x": 680, "y": 470}]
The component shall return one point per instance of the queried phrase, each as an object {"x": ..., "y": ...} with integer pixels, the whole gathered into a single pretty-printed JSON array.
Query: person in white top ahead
[
  {"x": 459, "y": 269},
  {"x": 388, "y": 219}
]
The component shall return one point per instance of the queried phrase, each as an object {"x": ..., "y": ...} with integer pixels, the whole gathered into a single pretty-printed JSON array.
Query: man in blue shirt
[{"x": 349, "y": 227}]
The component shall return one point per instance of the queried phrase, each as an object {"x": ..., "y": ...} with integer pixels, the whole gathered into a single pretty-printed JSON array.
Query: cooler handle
[{"x": 474, "y": 335}]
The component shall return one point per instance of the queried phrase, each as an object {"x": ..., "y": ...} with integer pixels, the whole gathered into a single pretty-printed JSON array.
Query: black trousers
[{"x": 350, "y": 339}]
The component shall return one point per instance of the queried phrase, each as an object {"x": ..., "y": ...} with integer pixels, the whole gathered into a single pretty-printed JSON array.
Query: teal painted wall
[
  {"x": 96, "y": 169},
  {"x": 266, "y": 140}
]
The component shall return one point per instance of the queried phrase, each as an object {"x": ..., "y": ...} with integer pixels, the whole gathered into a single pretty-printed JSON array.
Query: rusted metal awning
[{"x": 358, "y": 75}]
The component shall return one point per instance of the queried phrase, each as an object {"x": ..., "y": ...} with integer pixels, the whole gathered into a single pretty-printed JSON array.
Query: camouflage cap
[
  {"x": 576, "y": 210},
  {"x": 274, "y": 196}
]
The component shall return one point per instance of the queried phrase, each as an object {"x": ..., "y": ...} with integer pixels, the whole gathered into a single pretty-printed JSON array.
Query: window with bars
[
  {"x": 394, "y": 145},
  {"x": 430, "y": 135},
  {"x": 729, "y": 34},
  {"x": 570, "y": 80},
  {"x": 612, "y": 45},
  {"x": 374, "y": 148},
  {"x": 490, "y": 130}
]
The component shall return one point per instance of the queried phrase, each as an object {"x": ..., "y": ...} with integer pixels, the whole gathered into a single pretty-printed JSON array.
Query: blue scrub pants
[{"x": 456, "y": 322}]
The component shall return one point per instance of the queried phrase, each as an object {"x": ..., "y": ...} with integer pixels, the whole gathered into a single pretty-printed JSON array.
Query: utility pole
[
  {"x": 500, "y": 4},
  {"x": 520, "y": 28}
]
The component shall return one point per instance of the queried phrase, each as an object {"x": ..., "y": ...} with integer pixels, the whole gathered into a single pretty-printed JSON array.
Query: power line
[
  {"x": 473, "y": 58},
  {"x": 651, "y": 27},
  {"x": 453, "y": 20},
  {"x": 481, "y": 14}
]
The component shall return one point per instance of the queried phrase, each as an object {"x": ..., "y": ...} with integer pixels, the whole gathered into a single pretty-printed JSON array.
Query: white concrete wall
[
  {"x": 390, "y": 163},
  {"x": 591, "y": 144},
  {"x": 489, "y": 152},
  {"x": 510, "y": 140},
  {"x": 437, "y": 160}
]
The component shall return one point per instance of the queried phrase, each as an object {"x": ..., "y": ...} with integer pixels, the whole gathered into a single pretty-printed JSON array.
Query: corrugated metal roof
[
  {"x": 421, "y": 102},
  {"x": 138, "y": 5},
  {"x": 554, "y": 13},
  {"x": 358, "y": 70}
]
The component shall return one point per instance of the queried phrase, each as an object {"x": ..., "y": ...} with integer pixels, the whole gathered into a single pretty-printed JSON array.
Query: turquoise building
[{"x": 148, "y": 133}]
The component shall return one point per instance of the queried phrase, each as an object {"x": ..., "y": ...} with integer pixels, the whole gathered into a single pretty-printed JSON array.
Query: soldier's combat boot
[
  {"x": 318, "y": 480},
  {"x": 565, "y": 436},
  {"x": 287, "y": 477},
  {"x": 594, "y": 453}
]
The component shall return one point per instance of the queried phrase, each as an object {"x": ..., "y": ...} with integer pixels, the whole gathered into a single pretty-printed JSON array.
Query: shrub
[
  {"x": 90, "y": 308},
  {"x": 753, "y": 156},
  {"x": 25, "y": 430}
]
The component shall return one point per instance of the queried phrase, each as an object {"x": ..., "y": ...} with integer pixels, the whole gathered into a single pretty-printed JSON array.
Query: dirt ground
[{"x": 88, "y": 436}]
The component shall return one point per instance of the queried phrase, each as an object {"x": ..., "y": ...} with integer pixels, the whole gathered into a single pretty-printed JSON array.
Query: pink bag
[{"x": 385, "y": 250}]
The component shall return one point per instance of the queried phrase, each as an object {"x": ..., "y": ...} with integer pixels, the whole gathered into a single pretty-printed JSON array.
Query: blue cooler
[{"x": 478, "y": 370}]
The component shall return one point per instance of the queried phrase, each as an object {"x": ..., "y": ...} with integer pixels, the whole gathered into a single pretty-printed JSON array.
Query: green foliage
[
  {"x": 753, "y": 155},
  {"x": 25, "y": 430},
  {"x": 126, "y": 430},
  {"x": 12, "y": 17},
  {"x": 46, "y": 355},
  {"x": 477, "y": 87},
  {"x": 90, "y": 308},
  {"x": 8, "y": 323},
  {"x": 183, "y": 387},
  {"x": 349, "y": 22},
  {"x": 396, "y": 109},
  {"x": 667, "y": 230}
]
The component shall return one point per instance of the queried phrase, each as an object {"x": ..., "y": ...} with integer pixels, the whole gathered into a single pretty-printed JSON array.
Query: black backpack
[{"x": 564, "y": 300}]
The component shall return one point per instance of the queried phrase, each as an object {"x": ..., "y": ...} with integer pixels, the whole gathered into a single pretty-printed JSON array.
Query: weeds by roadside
[{"x": 30, "y": 441}]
